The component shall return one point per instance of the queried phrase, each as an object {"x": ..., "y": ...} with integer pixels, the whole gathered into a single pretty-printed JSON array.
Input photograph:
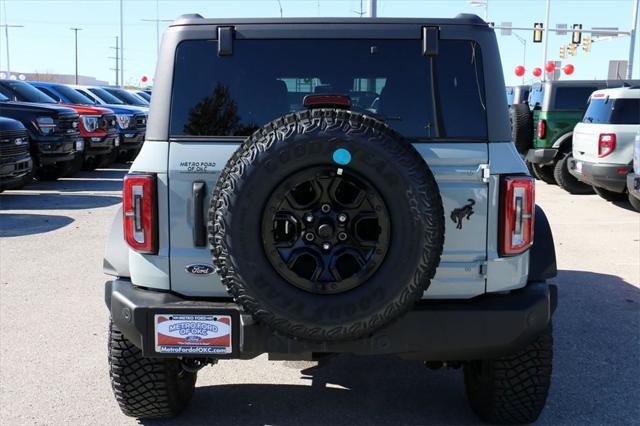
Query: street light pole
[
  {"x": 121, "y": 43},
  {"x": 524, "y": 51},
  {"x": 75, "y": 30},
  {"x": 632, "y": 40},
  {"x": 6, "y": 34},
  {"x": 546, "y": 40},
  {"x": 373, "y": 8}
]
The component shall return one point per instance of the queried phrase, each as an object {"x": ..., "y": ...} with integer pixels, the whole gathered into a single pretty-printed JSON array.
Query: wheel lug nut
[
  {"x": 326, "y": 246},
  {"x": 342, "y": 236},
  {"x": 326, "y": 208},
  {"x": 342, "y": 218},
  {"x": 309, "y": 236},
  {"x": 308, "y": 217}
]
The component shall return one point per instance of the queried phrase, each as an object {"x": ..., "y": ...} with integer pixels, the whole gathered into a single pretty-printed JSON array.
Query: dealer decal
[
  {"x": 193, "y": 334},
  {"x": 197, "y": 167}
]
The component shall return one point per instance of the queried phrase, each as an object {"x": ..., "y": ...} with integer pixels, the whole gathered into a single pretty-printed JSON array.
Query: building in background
[{"x": 54, "y": 78}]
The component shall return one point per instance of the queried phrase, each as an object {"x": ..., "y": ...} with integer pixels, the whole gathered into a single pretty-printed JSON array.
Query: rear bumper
[
  {"x": 484, "y": 327},
  {"x": 605, "y": 176},
  {"x": 541, "y": 155},
  {"x": 633, "y": 185}
]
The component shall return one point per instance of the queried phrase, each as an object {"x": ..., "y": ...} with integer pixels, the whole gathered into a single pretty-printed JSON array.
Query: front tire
[
  {"x": 566, "y": 180},
  {"x": 511, "y": 389},
  {"x": 635, "y": 203},
  {"x": 146, "y": 388}
]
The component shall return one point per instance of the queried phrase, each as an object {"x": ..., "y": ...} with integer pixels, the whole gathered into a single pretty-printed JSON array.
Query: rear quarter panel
[{"x": 559, "y": 123}]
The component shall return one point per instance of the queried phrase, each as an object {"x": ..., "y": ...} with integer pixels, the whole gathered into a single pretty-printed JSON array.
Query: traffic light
[
  {"x": 537, "y": 32},
  {"x": 577, "y": 35},
  {"x": 563, "y": 52},
  {"x": 586, "y": 44},
  {"x": 572, "y": 49}
]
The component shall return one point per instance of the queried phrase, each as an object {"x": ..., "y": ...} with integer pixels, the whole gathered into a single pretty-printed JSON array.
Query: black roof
[{"x": 460, "y": 19}]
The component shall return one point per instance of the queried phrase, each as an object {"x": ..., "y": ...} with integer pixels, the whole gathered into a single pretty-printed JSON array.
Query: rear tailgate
[{"x": 585, "y": 142}]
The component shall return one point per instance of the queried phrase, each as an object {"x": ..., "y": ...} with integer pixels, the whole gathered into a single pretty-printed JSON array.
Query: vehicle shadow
[
  {"x": 344, "y": 390},
  {"x": 17, "y": 225},
  {"x": 596, "y": 358},
  {"x": 624, "y": 205},
  {"x": 26, "y": 201}
]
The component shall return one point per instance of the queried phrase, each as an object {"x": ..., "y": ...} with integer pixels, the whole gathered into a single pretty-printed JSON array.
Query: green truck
[{"x": 556, "y": 107}]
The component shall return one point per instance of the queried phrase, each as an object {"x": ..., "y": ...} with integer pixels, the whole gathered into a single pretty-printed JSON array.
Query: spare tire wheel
[
  {"x": 522, "y": 127},
  {"x": 326, "y": 225}
]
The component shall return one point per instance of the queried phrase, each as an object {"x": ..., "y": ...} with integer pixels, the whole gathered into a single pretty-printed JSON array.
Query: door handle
[{"x": 197, "y": 200}]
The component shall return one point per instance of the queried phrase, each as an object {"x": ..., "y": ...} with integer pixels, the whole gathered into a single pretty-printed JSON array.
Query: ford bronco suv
[
  {"x": 314, "y": 187},
  {"x": 603, "y": 141},
  {"x": 54, "y": 139},
  {"x": 15, "y": 161},
  {"x": 556, "y": 107}
]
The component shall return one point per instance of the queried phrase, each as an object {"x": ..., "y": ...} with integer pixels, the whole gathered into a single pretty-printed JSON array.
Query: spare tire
[
  {"x": 326, "y": 225},
  {"x": 521, "y": 127}
]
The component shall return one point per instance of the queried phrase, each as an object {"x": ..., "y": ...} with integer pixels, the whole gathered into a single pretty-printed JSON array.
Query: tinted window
[
  {"x": 126, "y": 97},
  {"x": 49, "y": 93},
  {"x": 573, "y": 98},
  {"x": 105, "y": 96},
  {"x": 25, "y": 92},
  {"x": 390, "y": 79},
  {"x": 74, "y": 96},
  {"x": 613, "y": 111},
  {"x": 144, "y": 95}
]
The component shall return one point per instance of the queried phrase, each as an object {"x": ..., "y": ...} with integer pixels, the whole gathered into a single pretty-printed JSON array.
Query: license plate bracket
[{"x": 197, "y": 333}]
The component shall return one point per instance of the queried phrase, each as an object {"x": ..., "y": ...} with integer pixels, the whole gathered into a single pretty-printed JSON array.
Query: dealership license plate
[
  {"x": 579, "y": 166},
  {"x": 193, "y": 334}
]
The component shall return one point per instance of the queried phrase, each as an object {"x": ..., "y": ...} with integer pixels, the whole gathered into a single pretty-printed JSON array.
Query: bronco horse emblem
[{"x": 457, "y": 215}]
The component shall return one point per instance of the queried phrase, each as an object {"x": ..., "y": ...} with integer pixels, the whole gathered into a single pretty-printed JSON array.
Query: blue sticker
[{"x": 342, "y": 156}]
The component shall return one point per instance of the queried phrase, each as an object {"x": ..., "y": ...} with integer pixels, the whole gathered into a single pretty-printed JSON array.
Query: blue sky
[{"x": 45, "y": 44}]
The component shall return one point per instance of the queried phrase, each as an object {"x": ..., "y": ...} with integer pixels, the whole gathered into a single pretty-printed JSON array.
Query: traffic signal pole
[{"x": 632, "y": 41}]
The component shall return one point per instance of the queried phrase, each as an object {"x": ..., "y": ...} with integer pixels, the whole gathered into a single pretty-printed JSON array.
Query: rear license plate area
[{"x": 198, "y": 334}]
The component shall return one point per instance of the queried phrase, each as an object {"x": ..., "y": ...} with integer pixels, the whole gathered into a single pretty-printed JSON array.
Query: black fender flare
[{"x": 542, "y": 255}]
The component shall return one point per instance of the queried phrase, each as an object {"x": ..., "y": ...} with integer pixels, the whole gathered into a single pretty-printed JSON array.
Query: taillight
[
  {"x": 542, "y": 129},
  {"x": 139, "y": 207},
  {"x": 606, "y": 144},
  {"x": 517, "y": 214}
]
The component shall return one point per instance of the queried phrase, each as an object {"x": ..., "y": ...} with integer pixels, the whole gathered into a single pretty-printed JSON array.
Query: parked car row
[
  {"x": 579, "y": 134},
  {"x": 52, "y": 130}
]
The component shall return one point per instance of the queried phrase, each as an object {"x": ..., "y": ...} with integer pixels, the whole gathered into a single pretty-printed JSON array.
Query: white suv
[{"x": 603, "y": 141}]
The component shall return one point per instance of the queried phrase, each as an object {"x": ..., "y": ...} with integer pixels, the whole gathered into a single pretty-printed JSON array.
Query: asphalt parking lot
[{"x": 53, "y": 359}]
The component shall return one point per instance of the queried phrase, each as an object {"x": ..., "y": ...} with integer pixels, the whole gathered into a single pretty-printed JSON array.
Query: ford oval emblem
[{"x": 200, "y": 269}]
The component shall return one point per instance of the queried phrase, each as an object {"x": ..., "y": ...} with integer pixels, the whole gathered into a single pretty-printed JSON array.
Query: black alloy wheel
[{"x": 326, "y": 233}]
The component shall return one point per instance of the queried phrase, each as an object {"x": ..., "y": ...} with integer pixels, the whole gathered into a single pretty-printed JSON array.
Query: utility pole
[
  {"x": 524, "y": 51},
  {"x": 6, "y": 34},
  {"x": 117, "y": 68},
  {"x": 157, "y": 21},
  {"x": 632, "y": 40},
  {"x": 373, "y": 8},
  {"x": 121, "y": 43},
  {"x": 75, "y": 30},
  {"x": 546, "y": 40}
]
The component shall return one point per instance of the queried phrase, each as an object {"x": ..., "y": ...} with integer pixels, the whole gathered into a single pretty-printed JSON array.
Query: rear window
[
  {"x": 613, "y": 111},
  {"x": 389, "y": 79},
  {"x": 572, "y": 98}
]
